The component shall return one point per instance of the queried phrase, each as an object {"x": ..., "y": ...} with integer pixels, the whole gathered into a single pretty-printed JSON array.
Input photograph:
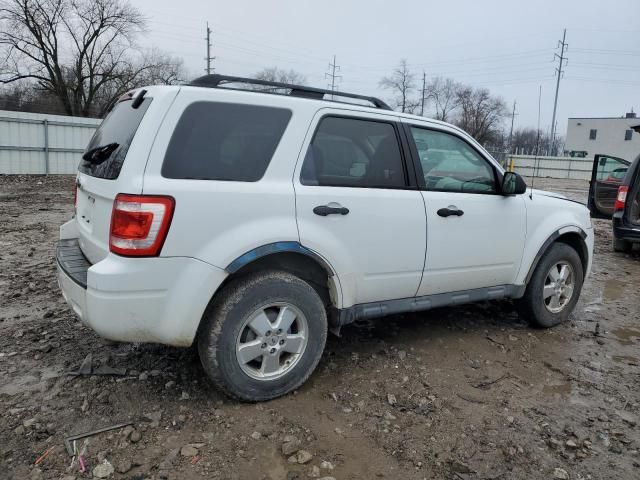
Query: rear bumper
[
  {"x": 159, "y": 300},
  {"x": 622, "y": 230}
]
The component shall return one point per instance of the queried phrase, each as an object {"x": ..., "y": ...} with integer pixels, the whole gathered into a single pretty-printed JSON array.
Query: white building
[{"x": 609, "y": 135}]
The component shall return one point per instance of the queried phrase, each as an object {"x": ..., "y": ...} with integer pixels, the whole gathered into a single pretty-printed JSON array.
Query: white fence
[
  {"x": 40, "y": 144},
  {"x": 551, "y": 167}
]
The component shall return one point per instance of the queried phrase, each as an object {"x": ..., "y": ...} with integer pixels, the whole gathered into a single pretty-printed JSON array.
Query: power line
[
  {"x": 562, "y": 60},
  {"x": 209, "y": 57},
  {"x": 333, "y": 68}
]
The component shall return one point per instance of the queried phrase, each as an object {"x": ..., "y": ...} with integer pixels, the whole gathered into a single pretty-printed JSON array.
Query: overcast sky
[{"x": 506, "y": 46}]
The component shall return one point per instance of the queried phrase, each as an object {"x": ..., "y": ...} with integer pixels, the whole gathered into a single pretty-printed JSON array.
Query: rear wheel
[
  {"x": 263, "y": 336},
  {"x": 554, "y": 288}
]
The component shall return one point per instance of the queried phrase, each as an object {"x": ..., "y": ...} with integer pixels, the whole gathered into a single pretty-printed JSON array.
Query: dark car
[{"x": 614, "y": 192}]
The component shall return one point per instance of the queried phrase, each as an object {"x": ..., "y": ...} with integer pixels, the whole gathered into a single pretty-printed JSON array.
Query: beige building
[{"x": 608, "y": 135}]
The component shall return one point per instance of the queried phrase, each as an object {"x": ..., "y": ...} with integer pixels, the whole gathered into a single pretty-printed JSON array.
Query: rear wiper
[{"x": 99, "y": 154}]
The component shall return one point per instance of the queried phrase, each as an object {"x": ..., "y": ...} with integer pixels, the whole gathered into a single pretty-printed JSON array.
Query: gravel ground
[{"x": 468, "y": 392}]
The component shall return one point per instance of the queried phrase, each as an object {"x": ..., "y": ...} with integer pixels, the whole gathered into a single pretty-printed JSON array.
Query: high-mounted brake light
[
  {"x": 139, "y": 224},
  {"x": 621, "y": 199}
]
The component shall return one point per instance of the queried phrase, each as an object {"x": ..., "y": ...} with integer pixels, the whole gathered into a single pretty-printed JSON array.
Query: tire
[
  {"x": 232, "y": 322},
  {"x": 544, "y": 313},
  {"x": 621, "y": 245}
]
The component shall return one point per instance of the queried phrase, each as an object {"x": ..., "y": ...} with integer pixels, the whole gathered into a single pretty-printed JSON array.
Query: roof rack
[{"x": 217, "y": 81}]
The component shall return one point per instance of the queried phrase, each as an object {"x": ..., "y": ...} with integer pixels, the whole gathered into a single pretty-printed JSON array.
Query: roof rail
[{"x": 216, "y": 81}]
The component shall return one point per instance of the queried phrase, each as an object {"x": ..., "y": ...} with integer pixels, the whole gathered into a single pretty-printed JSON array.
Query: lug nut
[
  {"x": 268, "y": 334},
  {"x": 279, "y": 331},
  {"x": 264, "y": 345},
  {"x": 282, "y": 342},
  {"x": 273, "y": 350}
]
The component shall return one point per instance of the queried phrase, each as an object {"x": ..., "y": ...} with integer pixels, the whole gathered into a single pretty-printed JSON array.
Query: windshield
[{"x": 118, "y": 128}]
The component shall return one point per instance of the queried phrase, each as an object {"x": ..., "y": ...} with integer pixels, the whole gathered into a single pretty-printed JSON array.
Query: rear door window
[
  {"x": 224, "y": 141},
  {"x": 352, "y": 152},
  {"x": 115, "y": 133}
]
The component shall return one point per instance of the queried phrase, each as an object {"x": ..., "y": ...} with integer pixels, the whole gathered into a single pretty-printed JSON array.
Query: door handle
[
  {"x": 450, "y": 210},
  {"x": 324, "y": 210}
]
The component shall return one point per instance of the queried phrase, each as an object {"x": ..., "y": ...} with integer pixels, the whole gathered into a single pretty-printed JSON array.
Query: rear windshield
[
  {"x": 224, "y": 141},
  {"x": 118, "y": 130}
]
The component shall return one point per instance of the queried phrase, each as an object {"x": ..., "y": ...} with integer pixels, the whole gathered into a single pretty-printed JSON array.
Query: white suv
[{"x": 251, "y": 217}]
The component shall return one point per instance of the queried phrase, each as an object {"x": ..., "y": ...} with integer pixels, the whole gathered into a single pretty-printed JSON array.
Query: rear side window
[
  {"x": 350, "y": 152},
  {"x": 224, "y": 141},
  {"x": 115, "y": 133}
]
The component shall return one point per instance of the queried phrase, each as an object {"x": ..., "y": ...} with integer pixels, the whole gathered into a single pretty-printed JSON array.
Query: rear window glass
[
  {"x": 116, "y": 133},
  {"x": 224, "y": 141}
]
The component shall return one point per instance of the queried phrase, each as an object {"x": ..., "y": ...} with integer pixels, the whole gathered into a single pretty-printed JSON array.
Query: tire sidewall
[
  {"x": 228, "y": 317},
  {"x": 539, "y": 315}
]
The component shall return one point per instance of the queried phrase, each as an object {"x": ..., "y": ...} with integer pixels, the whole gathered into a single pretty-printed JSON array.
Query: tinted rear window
[
  {"x": 224, "y": 141},
  {"x": 119, "y": 127}
]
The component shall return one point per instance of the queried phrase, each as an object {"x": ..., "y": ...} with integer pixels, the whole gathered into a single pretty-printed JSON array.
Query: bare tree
[
  {"x": 402, "y": 84},
  {"x": 480, "y": 114},
  {"x": 275, "y": 74},
  {"x": 80, "y": 51},
  {"x": 442, "y": 93}
]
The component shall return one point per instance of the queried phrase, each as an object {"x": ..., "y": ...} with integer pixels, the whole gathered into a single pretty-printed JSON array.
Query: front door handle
[
  {"x": 324, "y": 210},
  {"x": 450, "y": 210}
]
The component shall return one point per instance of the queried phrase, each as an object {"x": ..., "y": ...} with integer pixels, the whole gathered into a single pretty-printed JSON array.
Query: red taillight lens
[
  {"x": 139, "y": 224},
  {"x": 621, "y": 199}
]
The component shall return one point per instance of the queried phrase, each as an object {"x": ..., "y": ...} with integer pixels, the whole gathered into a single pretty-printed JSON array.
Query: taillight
[
  {"x": 139, "y": 224},
  {"x": 621, "y": 199}
]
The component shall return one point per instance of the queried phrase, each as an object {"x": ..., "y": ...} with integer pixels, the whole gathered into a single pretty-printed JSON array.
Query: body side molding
[{"x": 427, "y": 302}]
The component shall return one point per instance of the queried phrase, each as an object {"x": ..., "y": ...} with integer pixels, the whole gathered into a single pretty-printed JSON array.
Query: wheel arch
[
  {"x": 573, "y": 236},
  {"x": 294, "y": 258}
]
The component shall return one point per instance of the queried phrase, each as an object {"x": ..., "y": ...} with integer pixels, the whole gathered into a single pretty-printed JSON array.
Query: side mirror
[{"x": 513, "y": 184}]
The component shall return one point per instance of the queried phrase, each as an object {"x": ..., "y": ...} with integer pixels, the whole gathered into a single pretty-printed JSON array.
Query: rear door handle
[
  {"x": 324, "y": 210},
  {"x": 450, "y": 210}
]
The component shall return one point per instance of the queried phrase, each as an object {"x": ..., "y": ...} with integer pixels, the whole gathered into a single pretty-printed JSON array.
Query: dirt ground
[{"x": 458, "y": 393}]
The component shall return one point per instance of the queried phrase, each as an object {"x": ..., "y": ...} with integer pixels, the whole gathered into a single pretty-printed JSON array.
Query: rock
[
  {"x": 124, "y": 466},
  {"x": 290, "y": 445},
  {"x": 560, "y": 474},
  {"x": 326, "y": 465},
  {"x": 292, "y": 459},
  {"x": 389, "y": 416},
  {"x": 19, "y": 430},
  {"x": 555, "y": 444},
  {"x": 188, "y": 451},
  {"x": 391, "y": 398},
  {"x": 143, "y": 376},
  {"x": 185, "y": 396},
  {"x": 256, "y": 435},
  {"x": 328, "y": 478},
  {"x": 103, "y": 470},
  {"x": 314, "y": 472},
  {"x": 627, "y": 417},
  {"x": 169, "y": 384},
  {"x": 155, "y": 418},
  {"x": 135, "y": 436},
  {"x": 303, "y": 457},
  {"x": 36, "y": 474},
  {"x": 510, "y": 419},
  {"x": 402, "y": 354},
  {"x": 571, "y": 444},
  {"x": 30, "y": 422}
]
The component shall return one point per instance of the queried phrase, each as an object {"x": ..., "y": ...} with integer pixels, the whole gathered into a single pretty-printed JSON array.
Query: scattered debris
[{"x": 68, "y": 440}]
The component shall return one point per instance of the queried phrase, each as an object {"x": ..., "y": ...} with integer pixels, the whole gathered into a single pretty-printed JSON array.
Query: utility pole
[
  {"x": 561, "y": 63},
  {"x": 333, "y": 68},
  {"x": 513, "y": 117},
  {"x": 424, "y": 88},
  {"x": 209, "y": 57}
]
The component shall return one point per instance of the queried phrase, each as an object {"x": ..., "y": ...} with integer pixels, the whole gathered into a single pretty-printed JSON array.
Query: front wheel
[
  {"x": 263, "y": 336},
  {"x": 554, "y": 288}
]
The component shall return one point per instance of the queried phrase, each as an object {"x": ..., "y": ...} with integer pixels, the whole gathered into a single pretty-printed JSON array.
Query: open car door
[{"x": 607, "y": 175}]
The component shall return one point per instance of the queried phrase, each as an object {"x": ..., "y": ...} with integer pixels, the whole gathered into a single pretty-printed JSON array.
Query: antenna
[{"x": 535, "y": 161}]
